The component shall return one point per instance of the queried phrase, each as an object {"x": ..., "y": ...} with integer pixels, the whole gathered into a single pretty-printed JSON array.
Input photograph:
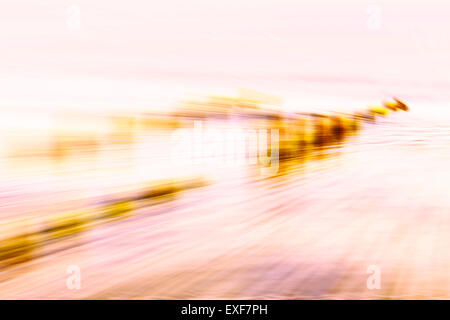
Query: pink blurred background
[{"x": 146, "y": 54}]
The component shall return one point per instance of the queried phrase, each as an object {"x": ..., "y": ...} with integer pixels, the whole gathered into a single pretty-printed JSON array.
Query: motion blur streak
[{"x": 200, "y": 149}]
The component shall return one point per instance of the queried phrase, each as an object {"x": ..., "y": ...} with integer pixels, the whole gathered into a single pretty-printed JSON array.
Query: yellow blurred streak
[
  {"x": 378, "y": 110},
  {"x": 18, "y": 241},
  {"x": 391, "y": 105},
  {"x": 67, "y": 224},
  {"x": 118, "y": 210}
]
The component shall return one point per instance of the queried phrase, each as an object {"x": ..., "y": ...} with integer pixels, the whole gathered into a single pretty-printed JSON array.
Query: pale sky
[{"x": 140, "y": 53}]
